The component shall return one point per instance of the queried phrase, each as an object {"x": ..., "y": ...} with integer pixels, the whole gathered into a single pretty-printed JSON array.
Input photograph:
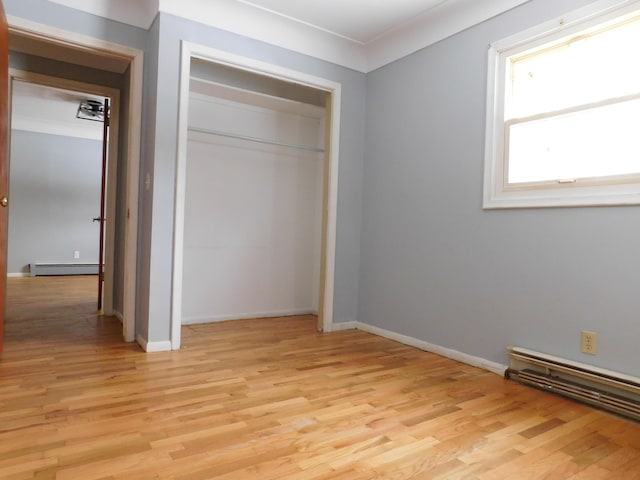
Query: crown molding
[
  {"x": 438, "y": 23},
  {"x": 265, "y": 26}
]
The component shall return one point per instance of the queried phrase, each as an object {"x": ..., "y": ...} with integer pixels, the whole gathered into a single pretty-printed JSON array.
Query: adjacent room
[{"x": 55, "y": 180}]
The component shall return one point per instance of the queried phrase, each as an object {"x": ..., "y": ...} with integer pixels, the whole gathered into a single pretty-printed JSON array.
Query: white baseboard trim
[
  {"x": 118, "y": 315},
  {"x": 340, "y": 326},
  {"x": 243, "y": 316},
  {"x": 150, "y": 347},
  {"x": 437, "y": 349},
  {"x": 18, "y": 275}
]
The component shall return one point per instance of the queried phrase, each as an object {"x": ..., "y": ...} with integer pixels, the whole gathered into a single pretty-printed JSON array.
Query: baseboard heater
[
  {"x": 38, "y": 269},
  {"x": 612, "y": 391}
]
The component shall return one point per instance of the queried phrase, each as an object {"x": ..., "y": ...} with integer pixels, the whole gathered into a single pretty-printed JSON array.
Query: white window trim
[{"x": 496, "y": 195}]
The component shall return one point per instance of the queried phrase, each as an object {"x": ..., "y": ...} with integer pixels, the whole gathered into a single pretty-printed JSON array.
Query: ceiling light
[{"x": 91, "y": 110}]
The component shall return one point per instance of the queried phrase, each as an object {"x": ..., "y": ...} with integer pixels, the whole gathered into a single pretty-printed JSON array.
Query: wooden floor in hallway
[{"x": 272, "y": 399}]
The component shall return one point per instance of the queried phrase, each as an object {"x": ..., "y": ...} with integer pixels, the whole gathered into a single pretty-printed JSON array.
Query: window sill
[{"x": 615, "y": 195}]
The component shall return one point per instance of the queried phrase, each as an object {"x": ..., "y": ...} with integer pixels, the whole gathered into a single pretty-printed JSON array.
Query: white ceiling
[
  {"x": 361, "y": 21},
  {"x": 359, "y": 34},
  {"x": 50, "y": 110}
]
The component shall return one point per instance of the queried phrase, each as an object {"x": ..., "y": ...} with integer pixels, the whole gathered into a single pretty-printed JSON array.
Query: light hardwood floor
[{"x": 272, "y": 399}]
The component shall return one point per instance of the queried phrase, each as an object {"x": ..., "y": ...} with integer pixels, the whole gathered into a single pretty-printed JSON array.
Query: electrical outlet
[
  {"x": 76, "y": 254},
  {"x": 589, "y": 342}
]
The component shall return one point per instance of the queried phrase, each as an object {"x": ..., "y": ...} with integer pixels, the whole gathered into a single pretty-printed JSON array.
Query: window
[{"x": 563, "y": 112}]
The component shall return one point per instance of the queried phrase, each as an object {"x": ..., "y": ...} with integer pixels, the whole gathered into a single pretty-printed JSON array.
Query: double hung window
[{"x": 563, "y": 123}]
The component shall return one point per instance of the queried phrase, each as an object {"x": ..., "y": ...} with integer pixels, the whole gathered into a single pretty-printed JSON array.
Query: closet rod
[{"x": 255, "y": 139}]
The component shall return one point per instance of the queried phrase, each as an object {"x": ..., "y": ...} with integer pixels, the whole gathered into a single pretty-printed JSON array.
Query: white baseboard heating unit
[
  {"x": 37, "y": 269},
  {"x": 613, "y": 391}
]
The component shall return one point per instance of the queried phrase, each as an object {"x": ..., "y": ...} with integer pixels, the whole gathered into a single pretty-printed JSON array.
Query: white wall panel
[{"x": 252, "y": 215}]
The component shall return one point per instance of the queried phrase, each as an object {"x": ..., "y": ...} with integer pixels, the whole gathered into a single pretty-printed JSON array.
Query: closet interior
[{"x": 254, "y": 196}]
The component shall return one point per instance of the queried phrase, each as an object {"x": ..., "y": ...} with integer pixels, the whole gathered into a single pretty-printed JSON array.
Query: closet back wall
[{"x": 252, "y": 233}]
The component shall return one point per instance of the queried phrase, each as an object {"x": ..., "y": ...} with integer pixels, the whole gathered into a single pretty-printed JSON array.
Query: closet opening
[{"x": 256, "y": 192}]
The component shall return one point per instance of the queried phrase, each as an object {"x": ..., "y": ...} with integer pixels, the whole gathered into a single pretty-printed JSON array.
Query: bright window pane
[
  {"x": 582, "y": 69},
  {"x": 597, "y": 142}
]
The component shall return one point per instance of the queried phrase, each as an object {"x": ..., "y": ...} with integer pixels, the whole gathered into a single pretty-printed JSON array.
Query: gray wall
[
  {"x": 435, "y": 266},
  {"x": 145, "y": 205},
  {"x": 159, "y": 246},
  {"x": 55, "y": 193},
  {"x": 56, "y": 15}
]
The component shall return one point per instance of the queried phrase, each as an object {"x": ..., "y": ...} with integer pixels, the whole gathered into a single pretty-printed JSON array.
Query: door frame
[
  {"x": 112, "y": 163},
  {"x": 133, "y": 111},
  {"x": 4, "y": 166},
  {"x": 330, "y": 190}
]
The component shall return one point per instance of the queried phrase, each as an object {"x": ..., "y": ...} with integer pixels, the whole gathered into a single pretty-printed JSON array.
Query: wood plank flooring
[{"x": 272, "y": 399}]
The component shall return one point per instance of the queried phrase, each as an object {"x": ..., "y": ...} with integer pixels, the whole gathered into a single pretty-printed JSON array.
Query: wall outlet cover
[{"x": 589, "y": 342}]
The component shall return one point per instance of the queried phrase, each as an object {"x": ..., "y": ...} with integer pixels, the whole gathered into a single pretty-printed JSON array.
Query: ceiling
[
  {"x": 359, "y": 34},
  {"x": 50, "y": 110},
  {"x": 361, "y": 21}
]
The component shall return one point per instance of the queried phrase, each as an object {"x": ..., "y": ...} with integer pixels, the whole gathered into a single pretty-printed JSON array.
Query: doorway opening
[
  {"x": 52, "y": 49},
  {"x": 58, "y": 177}
]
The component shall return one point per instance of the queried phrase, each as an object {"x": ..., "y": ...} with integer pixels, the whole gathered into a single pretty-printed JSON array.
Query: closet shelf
[{"x": 219, "y": 133}]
